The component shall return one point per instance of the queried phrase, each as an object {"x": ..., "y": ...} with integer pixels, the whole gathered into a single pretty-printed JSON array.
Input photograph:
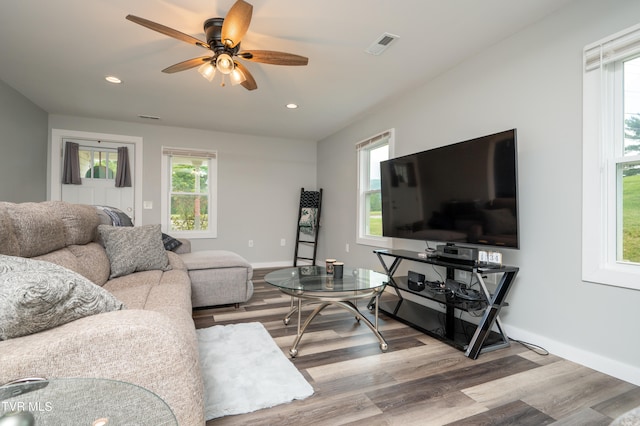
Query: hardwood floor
[{"x": 419, "y": 380}]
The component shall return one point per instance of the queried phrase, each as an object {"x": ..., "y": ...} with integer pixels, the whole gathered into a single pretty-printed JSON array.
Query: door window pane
[{"x": 97, "y": 164}]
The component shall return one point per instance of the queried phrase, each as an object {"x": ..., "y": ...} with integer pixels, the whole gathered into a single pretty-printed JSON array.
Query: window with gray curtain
[{"x": 71, "y": 166}]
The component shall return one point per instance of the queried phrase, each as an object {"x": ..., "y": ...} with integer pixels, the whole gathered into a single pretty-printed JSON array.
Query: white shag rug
[{"x": 244, "y": 370}]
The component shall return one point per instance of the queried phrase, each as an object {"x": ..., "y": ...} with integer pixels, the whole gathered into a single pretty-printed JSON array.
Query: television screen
[{"x": 461, "y": 193}]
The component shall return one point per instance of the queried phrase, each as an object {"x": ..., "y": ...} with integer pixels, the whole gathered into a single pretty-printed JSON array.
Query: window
[
  {"x": 98, "y": 163},
  {"x": 611, "y": 161},
  {"x": 189, "y": 193},
  {"x": 370, "y": 153}
]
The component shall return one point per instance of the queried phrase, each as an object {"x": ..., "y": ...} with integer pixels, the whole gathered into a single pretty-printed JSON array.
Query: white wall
[
  {"x": 23, "y": 148},
  {"x": 533, "y": 82},
  {"x": 259, "y": 181}
]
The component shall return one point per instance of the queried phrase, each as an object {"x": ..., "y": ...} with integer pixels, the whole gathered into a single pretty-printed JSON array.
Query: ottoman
[{"x": 218, "y": 277}]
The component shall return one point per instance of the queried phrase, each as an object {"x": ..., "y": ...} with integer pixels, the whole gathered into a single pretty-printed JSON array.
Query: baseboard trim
[{"x": 617, "y": 369}]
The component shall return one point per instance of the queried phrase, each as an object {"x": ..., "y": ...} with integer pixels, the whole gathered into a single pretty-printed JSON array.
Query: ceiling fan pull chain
[{"x": 222, "y": 80}]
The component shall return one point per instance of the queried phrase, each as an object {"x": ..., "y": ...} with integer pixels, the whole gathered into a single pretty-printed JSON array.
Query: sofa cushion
[
  {"x": 132, "y": 249},
  {"x": 8, "y": 240},
  {"x": 214, "y": 259},
  {"x": 89, "y": 260},
  {"x": 33, "y": 229},
  {"x": 36, "y": 295},
  {"x": 37, "y": 230},
  {"x": 79, "y": 220}
]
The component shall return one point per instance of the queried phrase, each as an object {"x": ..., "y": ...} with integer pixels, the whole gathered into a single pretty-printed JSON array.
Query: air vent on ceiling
[
  {"x": 381, "y": 44},
  {"x": 149, "y": 117}
]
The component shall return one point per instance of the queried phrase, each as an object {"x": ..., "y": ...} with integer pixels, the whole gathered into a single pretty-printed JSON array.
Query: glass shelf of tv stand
[
  {"x": 488, "y": 334},
  {"x": 484, "y": 268},
  {"x": 441, "y": 296}
]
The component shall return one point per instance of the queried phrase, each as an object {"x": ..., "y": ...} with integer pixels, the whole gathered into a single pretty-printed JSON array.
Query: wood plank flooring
[{"x": 419, "y": 380}]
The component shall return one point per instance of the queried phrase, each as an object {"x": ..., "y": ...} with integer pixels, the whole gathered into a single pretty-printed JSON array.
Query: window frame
[
  {"x": 363, "y": 150},
  {"x": 206, "y": 155},
  {"x": 603, "y": 131}
]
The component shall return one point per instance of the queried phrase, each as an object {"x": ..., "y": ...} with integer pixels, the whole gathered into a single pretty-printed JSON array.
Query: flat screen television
[{"x": 466, "y": 192}]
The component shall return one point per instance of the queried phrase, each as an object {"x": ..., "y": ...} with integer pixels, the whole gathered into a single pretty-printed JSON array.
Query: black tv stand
[{"x": 474, "y": 339}]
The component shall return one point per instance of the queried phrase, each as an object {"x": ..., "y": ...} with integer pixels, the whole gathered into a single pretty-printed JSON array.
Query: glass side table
[{"x": 91, "y": 402}]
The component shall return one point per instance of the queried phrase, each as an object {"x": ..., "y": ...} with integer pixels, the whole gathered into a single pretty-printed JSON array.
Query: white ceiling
[{"x": 57, "y": 53}]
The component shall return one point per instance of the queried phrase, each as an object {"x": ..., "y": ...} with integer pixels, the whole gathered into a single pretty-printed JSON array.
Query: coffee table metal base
[{"x": 341, "y": 299}]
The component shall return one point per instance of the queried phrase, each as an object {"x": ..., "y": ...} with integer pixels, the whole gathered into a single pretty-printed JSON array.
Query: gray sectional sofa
[{"x": 151, "y": 342}]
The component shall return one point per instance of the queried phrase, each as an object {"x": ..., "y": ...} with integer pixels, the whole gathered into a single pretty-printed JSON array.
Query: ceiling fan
[{"x": 223, "y": 39}]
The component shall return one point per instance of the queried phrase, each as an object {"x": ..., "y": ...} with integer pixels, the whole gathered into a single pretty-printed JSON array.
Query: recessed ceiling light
[
  {"x": 113, "y": 79},
  {"x": 292, "y": 106}
]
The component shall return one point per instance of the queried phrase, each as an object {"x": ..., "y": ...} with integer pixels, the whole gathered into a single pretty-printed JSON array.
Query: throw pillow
[
  {"x": 133, "y": 249},
  {"x": 170, "y": 243},
  {"x": 36, "y": 295}
]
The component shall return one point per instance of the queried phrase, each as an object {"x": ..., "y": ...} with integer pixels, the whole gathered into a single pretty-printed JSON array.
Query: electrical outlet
[
  {"x": 250, "y": 243},
  {"x": 283, "y": 242},
  {"x": 346, "y": 247}
]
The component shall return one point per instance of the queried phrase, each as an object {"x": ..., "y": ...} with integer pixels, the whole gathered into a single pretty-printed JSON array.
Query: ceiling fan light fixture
[
  {"x": 237, "y": 77},
  {"x": 207, "y": 70},
  {"x": 224, "y": 63},
  {"x": 224, "y": 36}
]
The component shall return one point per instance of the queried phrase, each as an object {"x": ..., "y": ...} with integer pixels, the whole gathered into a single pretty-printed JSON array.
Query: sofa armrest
[
  {"x": 185, "y": 247},
  {"x": 176, "y": 261},
  {"x": 140, "y": 347}
]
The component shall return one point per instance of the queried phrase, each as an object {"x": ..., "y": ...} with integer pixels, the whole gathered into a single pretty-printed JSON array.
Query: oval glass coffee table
[
  {"x": 91, "y": 402},
  {"x": 313, "y": 285}
]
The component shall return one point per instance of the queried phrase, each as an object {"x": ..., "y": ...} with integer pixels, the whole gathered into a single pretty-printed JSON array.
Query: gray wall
[
  {"x": 259, "y": 181},
  {"x": 23, "y": 148},
  {"x": 533, "y": 82}
]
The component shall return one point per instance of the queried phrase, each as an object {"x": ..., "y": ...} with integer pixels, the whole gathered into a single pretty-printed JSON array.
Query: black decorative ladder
[{"x": 308, "y": 224}]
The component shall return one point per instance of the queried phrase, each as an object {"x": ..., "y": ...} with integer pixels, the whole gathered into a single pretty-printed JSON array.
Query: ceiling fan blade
[
  {"x": 273, "y": 58},
  {"x": 250, "y": 82},
  {"x": 188, "y": 64},
  {"x": 167, "y": 31},
  {"x": 236, "y": 23}
]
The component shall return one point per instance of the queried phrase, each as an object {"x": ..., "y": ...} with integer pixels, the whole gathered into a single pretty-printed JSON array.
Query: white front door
[
  {"x": 98, "y": 155},
  {"x": 98, "y": 170}
]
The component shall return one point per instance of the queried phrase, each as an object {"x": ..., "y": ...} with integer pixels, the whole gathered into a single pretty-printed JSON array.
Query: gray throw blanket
[{"x": 117, "y": 216}]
